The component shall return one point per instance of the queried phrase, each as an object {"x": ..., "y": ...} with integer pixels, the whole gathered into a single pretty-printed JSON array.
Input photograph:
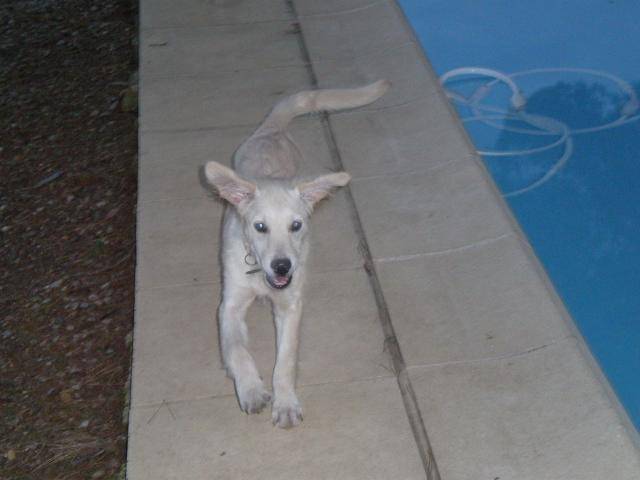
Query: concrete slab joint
[{"x": 425, "y": 312}]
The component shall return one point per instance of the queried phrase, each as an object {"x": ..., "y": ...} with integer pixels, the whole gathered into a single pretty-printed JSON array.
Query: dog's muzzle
[{"x": 281, "y": 277}]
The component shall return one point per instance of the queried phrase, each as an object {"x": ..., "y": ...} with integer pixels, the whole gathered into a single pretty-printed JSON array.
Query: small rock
[
  {"x": 55, "y": 175},
  {"x": 55, "y": 284},
  {"x": 11, "y": 455},
  {"x": 84, "y": 424},
  {"x": 65, "y": 396},
  {"x": 112, "y": 212},
  {"x": 98, "y": 474}
]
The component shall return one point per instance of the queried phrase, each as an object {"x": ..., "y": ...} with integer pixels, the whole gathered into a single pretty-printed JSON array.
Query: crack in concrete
[
  {"x": 495, "y": 358},
  {"x": 462, "y": 248}
]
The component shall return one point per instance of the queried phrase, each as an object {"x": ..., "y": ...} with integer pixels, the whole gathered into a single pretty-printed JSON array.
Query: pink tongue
[{"x": 280, "y": 280}]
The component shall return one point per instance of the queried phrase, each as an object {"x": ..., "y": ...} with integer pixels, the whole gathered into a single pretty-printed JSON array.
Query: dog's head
[{"x": 275, "y": 216}]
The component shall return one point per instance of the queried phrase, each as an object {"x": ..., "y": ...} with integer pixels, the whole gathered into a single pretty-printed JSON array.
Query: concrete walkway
[{"x": 428, "y": 307}]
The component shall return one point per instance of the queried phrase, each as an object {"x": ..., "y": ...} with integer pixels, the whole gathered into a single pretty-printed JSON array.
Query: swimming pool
[{"x": 568, "y": 161}]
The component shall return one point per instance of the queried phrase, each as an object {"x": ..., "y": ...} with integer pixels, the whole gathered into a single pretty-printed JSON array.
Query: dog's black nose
[{"x": 281, "y": 266}]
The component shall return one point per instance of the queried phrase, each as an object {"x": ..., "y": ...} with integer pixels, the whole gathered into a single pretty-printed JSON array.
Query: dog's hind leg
[
  {"x": 286, "y": 409},
  {"x": 239, "y": 363}
]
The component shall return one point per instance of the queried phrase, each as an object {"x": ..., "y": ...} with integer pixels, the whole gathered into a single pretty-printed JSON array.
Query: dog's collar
[{"x": 251, "y": 260}]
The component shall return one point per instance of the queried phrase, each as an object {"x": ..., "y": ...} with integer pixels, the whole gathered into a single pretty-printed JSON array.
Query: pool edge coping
[{"x": 568, "y": 320}]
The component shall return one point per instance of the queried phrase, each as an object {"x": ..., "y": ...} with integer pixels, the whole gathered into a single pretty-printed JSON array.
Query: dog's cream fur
[{"x": 265, "y": 243}]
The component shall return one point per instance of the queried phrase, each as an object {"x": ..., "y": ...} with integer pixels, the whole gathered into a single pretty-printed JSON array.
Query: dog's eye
[
  {"x": 295, "y": 226},
  {"x": 261, "y": 227}
]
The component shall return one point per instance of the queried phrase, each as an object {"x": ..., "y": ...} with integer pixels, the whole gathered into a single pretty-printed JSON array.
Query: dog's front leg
[
  {"x": 286, "y": 410},
  {"x": 239, "y": 363}
]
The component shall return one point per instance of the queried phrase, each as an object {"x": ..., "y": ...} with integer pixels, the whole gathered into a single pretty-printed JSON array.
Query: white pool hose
[
  {"x": 517, "y": 99},
  {"x": 541, "y": 125}
]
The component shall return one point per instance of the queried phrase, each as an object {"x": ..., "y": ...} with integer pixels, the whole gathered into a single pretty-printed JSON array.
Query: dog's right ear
[{"x": 229, "y": 185}]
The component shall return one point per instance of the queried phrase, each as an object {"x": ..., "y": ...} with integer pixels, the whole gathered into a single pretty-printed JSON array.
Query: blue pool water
[{"x": 576, "y": 193}]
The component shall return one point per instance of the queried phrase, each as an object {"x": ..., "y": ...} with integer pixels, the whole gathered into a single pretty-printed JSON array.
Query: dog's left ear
[{"x": 315, "y": 190}]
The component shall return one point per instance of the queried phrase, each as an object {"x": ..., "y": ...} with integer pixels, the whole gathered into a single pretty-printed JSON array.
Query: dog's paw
[
  {"x": 286, "y": 413},
  {"x": 252, "y": 396}
]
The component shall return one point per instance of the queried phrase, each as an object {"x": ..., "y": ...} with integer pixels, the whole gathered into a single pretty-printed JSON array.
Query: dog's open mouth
[{"x": 279, "y": 281}]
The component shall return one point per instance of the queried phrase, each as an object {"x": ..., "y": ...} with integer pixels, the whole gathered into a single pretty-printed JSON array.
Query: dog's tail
[{"x": 318, "y": 100}]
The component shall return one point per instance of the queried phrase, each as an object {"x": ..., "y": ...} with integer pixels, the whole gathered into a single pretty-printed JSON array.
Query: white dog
[{"x": 265, "y": 242}]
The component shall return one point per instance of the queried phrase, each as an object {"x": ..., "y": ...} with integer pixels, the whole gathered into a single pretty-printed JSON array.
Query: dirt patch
[{"x": 68, "y": 171}]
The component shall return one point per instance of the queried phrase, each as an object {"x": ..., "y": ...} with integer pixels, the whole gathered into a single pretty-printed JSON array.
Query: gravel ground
[{"x": 68, "y": 166}]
